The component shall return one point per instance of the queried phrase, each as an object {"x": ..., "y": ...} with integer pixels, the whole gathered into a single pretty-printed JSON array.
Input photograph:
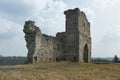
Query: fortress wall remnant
[{"x": 74, "y": 44}]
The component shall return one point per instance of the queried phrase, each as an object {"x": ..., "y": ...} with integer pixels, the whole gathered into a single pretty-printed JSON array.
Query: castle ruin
[{"x": 74, "y": 44}]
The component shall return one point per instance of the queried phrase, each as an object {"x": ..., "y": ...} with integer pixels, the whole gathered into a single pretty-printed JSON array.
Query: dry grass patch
[{"x": 61, "y": 71}]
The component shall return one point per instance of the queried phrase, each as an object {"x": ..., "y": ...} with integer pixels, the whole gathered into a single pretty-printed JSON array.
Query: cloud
[
  {"x": 22, "y": 9},
  {"x": 109, "y": 43},
  {"x": 13, "y": 47},
  {"x": 112, "y": 36},
  {"x": 49, "y": 15},
  {"x": 12, "y": 41},
  {"x": 51, "y": 19},
  {"x": 89, "y": 13},
  {"x": 11, "y": 11},
  {"x": 105, "y": 3},
  {"x": 8, "y": 29}
]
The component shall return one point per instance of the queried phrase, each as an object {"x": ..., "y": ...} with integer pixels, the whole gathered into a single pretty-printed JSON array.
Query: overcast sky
[{"x": 104, "y": 16}]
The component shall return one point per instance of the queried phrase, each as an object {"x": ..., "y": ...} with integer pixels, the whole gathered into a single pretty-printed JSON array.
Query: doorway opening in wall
[
  {"x": 35, "y": 58},
  {"x": 85, "y": 53}
]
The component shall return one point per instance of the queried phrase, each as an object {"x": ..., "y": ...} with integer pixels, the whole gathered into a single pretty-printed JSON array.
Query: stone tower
[
  {"x": 78, "y": 40},
  {"x": 74, "y": 44}
]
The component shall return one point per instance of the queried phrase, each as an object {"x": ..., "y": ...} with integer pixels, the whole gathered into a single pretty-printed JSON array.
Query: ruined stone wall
[
  {"x": 30, "y": 35},
  {"x": 78, "y": 40},
  {"x": 62, "y": 49},
  {"x": 47, "y": 47},
  {"x": 41, "y": 47},
  {"x": 74, "y": 44},
  {"x": 71, "y": 45},
  {"x": 84, "y": 38}
]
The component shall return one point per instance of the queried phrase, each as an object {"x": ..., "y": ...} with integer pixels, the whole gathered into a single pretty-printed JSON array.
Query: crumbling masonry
[{"x": 74, "y": 44}]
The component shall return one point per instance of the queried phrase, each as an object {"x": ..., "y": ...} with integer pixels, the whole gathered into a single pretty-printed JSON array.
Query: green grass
[{"x": 61, "y": 71}]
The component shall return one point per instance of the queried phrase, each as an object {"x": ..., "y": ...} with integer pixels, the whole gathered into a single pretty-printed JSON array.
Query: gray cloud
[{"x": 6, "y": 36}]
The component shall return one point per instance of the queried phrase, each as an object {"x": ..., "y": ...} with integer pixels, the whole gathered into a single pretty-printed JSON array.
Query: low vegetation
[
  {"x": 61, "y": 71},
  {"x": 12, "y": 60}
]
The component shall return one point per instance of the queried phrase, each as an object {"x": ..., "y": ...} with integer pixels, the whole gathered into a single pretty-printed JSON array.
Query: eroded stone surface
[{"x": 74, "y": 44}]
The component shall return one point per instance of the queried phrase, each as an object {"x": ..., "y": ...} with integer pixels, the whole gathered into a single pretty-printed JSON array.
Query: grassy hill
[{"x": 61, "y": 71}]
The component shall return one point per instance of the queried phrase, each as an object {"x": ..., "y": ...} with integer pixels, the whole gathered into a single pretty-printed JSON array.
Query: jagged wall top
[
  {"x": 30, "y": 27},
  {"x": 75, "y": 11},
  {"x": 71, "y": 11}
]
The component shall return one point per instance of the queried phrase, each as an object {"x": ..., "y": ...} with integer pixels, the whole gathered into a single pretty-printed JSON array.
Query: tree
[{"x": 115, "y": 59}]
